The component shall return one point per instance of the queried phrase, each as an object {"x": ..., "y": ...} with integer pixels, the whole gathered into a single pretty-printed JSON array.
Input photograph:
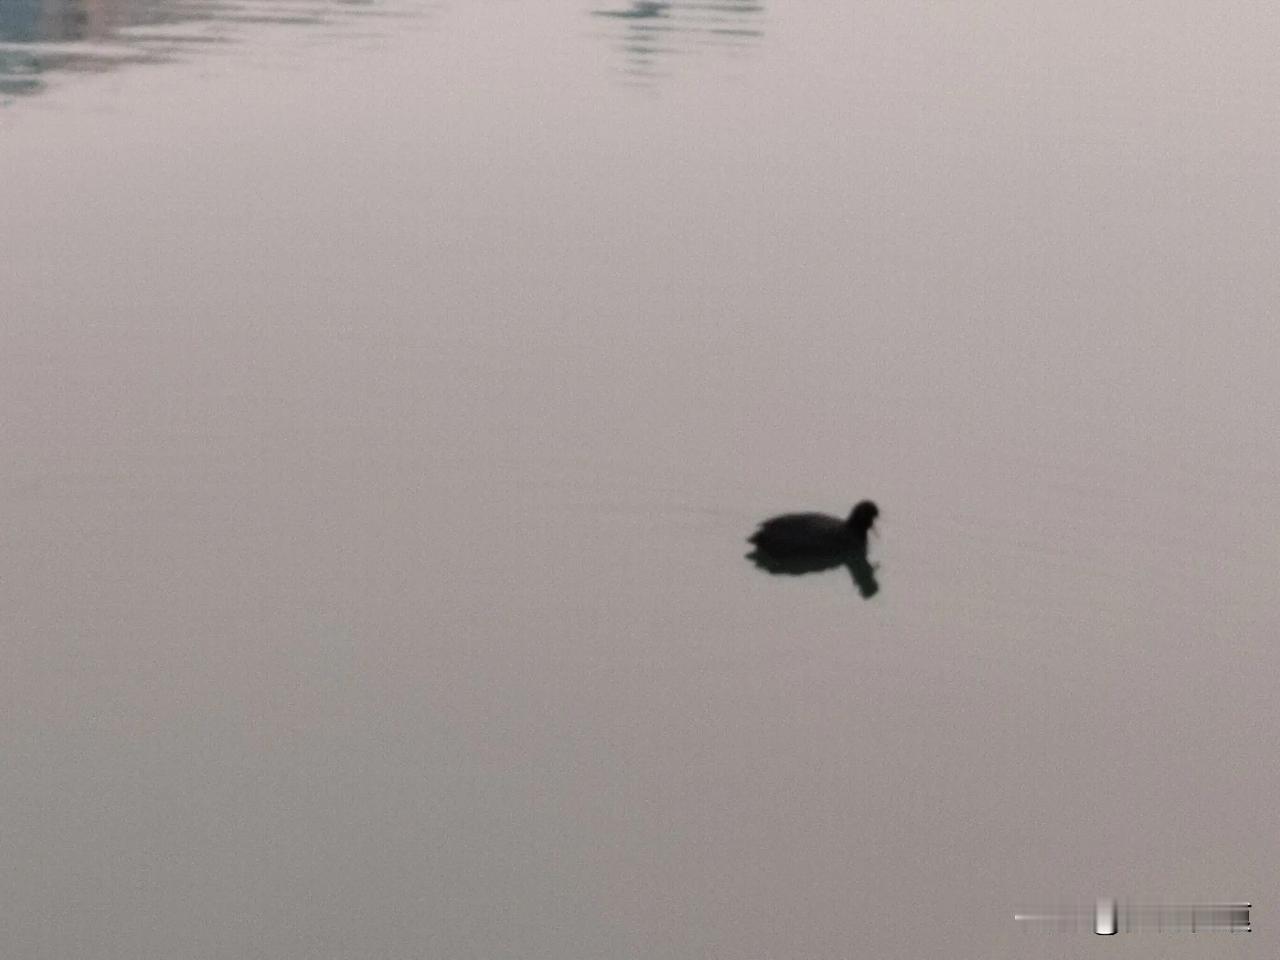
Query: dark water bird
[{"x": 798, "y": 543}]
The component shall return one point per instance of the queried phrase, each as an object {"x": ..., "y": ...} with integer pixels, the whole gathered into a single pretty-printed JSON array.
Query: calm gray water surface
[{"x": 388, "y": 389}]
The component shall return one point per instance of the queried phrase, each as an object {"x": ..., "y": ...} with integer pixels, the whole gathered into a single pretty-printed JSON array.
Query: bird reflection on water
[
  {"x": 650, "y": 34},
  {"x": 800, "y": 543}
]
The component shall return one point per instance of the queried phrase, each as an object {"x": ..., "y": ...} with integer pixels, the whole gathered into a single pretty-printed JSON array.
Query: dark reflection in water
[
  {"x": 649, "y": 33},
  {"x": 39, "y": 38},
  {"x": 860, "y": 568}
]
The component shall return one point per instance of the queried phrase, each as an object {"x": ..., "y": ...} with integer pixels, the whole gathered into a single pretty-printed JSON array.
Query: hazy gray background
[{"x": 386, "y": 394}]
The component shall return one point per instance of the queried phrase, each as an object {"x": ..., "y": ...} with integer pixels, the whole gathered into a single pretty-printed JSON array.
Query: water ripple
[
  {"x": 42, "y": 39},
  {"x": 650, "y": 33}
]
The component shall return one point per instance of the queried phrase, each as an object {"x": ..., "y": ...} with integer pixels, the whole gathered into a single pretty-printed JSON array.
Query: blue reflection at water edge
[{"x": 42, "y": 38}]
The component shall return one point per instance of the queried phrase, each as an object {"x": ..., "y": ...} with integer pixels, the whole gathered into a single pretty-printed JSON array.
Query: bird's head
[{"x": 863, "y": 517}]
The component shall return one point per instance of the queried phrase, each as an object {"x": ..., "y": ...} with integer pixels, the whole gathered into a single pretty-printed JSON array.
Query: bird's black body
[
  {"x": 805, "y": 533},
  {"x": 800, "y": 533},
  {"x": 798, "y": 543}
]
